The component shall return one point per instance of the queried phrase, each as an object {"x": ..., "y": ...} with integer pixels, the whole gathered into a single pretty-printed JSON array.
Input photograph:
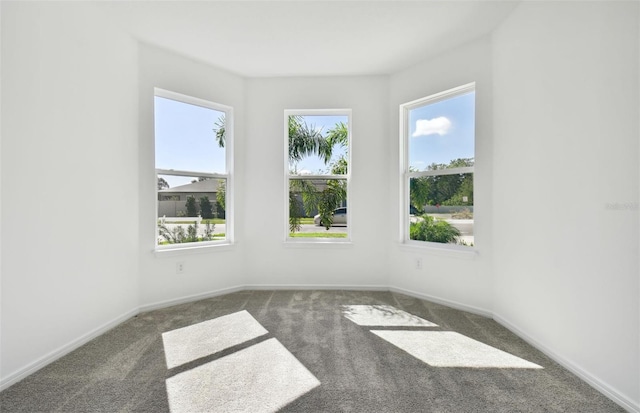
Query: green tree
[
  {"x": 206, "y": 209},
  {"x": 192, "y": 210},
  {"x": 162, "y": 184},
  {"x": 221, "y": 195},
  {"x": 442, "y": 189},
  {"x": 304, "y": 196}
]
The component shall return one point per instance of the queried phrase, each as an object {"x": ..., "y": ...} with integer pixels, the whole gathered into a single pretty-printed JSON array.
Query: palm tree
[
  {"x": 220, "y": 130},
  {"x": 305, "y": 140}
]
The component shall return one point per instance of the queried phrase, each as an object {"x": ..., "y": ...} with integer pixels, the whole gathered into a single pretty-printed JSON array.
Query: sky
[
  {"x": 441, "y": 132},
  {"x": 185, "y": 139}
]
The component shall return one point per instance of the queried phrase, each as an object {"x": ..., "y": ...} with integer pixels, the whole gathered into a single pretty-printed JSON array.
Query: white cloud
[{"x": 425, "y": 127}]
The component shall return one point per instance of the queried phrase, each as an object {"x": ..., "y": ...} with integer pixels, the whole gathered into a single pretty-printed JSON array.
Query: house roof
[{"x": 208, "y": 185}]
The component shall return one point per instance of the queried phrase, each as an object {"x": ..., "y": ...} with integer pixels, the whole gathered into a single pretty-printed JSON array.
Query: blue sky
[
  {"x": 185, "y": 139},
  {"x": 442, "y": 131}
]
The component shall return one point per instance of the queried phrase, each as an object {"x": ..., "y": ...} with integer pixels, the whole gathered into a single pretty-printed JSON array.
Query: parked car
[{"x": 339, "y": 217}]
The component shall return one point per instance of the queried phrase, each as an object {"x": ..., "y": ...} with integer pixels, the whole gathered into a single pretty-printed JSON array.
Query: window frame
[
  {"x": 227, "y": 176},
  {"x": 288, "y": 177},
  {"x": 406, "y": 175}
]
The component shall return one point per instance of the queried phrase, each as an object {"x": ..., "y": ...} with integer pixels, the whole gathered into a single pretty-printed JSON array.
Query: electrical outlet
[
  {"x": 179, "y": 267},
  {"x": 418, "y": 263}
]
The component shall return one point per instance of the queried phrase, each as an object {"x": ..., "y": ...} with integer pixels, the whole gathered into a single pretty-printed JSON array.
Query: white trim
[
  {"x": 228, "y": 176},
  {"x": 449, "y": 303},
  {"x": 163, "y": 251},
  {"x": 318, "y": 177},
  {"x": 440, "y": 96},
  {"x": 346, "y": 177},
  {"x": 317, "y": 243},
  {"x": 61, "y": 351},
  {"x": 595, "y": 382},
  {"x": 190, "y": 174},
  {"x": 189, "y": 298},
  {"x": 436, "y": 248},
  {"x": 326, "y": 287},
  {"x": 439, "y": 172},
  {"x": 404, "y": 173},
  {"x": 167, "y": 94}
]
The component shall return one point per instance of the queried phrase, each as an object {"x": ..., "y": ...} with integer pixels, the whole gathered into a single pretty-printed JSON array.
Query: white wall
[
  {"x": 215, "y": 269},
  {"x": 565, "y": 153},
  {"x": 557, "y": 150},
  {"x": 69, "y": 169},
  {"x": 269, "y": 260},
  {"x": 453, "y": 278}
]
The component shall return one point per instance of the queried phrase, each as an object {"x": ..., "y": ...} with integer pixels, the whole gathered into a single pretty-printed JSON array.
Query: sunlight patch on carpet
[
  {"x": 259, "y": 379},
  {"x": 190, "y": 343},
  {"x": 383, "y": 316},
  {"x": 450, "y": 349}
]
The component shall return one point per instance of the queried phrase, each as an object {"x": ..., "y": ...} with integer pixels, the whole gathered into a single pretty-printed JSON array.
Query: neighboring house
[{"x": 172, "y": 201}]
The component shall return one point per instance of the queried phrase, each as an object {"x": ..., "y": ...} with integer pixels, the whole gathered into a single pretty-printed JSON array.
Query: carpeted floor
[{"x": 305, "y": 351}]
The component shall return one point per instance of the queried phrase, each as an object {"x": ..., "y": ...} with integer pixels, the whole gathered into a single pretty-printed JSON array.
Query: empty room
[{"x": 320, "y": 206}]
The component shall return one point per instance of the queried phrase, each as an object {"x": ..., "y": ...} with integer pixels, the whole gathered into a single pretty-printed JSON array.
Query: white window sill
[
  {"x": 316, "y": 243},
  {"x": 443, "y": 250},
  {"x": 184, "y": 249}
]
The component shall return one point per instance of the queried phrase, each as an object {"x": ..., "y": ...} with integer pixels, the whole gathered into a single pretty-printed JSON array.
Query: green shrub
[
  {"x": 192, "y": 233},
  {"x": 176, "y": 235},
  {"x": 432, "y": 230}
]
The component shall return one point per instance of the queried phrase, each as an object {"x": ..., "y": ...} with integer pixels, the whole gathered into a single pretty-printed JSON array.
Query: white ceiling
[{"x": 309, "y": 38}]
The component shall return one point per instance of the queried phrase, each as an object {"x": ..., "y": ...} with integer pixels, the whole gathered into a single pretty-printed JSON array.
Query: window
[
  {"x": 438, "y": 156},
  {"x": 317, "y": 175},
  {"x": 193, "y": 144}
]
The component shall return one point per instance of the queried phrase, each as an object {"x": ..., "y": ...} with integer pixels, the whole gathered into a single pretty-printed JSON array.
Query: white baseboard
[
  {"x": 189, "y": 298},
  {"x": 620, "y": 399},
  {"x": 595, "y": 382},
  {"x": 448, "y": 303},
  {"x": 315, "y": 287},
  {"x": 31, "y": 368}
]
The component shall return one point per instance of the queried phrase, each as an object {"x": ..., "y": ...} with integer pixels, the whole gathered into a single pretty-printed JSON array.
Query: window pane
[
  {"x": 318, "y": 145},
  {"x": 441, "y": 209},
  {"x": 442, "y": 134},
  {"x": 318, "y": 208},
  {"x": 189, "y": 137},
  {"x": 194, "y": 211}
]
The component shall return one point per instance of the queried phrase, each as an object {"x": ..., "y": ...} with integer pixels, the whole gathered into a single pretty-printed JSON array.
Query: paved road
[{"x": 464, "y": 225}]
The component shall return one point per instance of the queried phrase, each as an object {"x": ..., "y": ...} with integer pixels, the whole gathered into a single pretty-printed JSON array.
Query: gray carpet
[{"x": 358, "y": 370}]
